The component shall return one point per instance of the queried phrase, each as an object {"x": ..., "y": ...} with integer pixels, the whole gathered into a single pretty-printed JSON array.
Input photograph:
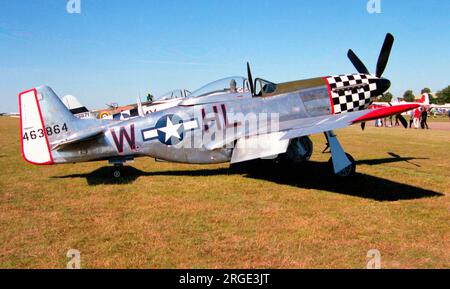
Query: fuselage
[{"x": 182, "y": 133}]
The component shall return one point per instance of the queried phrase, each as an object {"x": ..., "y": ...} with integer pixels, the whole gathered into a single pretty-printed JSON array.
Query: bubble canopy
[
  {"x": 234, "y": 84},
  {"x": 173, "y": 94}
]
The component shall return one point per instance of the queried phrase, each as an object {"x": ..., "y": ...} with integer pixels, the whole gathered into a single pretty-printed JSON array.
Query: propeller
[
  {"x": 382, "y": 83},
  {"x": 402, "y": 119},
  {"x": 359, "y": 65},
  {"x": 384, "y": 54},
  {"x": 250, "y": 79},
  {"x": 382, "y": 59}
]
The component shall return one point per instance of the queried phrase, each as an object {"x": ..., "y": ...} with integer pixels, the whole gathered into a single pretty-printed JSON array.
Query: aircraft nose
[{"x": 383, "y": 85}]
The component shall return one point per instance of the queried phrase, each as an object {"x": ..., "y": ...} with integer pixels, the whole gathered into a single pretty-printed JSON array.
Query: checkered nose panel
[{"x": 352, "y": 92}]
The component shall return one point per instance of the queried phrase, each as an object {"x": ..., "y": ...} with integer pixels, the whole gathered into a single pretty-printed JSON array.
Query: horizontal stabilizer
[{"x": 78, "y": 137}]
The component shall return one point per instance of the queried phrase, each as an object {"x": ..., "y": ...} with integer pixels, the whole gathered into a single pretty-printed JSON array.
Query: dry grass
[{"x": 180, "y": 216}]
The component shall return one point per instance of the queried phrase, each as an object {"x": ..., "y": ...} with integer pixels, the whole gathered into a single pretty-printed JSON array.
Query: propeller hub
[{"x": 383, "y": 85}]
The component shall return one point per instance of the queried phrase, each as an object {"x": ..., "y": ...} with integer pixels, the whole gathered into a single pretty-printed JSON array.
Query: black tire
[
  {"x": 292, "y": 155},
  {"x": 347, "y": 172}
]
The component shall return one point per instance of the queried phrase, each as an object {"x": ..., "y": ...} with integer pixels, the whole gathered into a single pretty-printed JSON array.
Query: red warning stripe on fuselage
[{"x": 329, "y": 94}]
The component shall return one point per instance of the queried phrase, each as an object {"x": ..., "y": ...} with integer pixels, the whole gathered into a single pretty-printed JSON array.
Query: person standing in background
[
  {"x": 423, "y": 119},
  {"x": 390, "y": 120},
  {"x": 411, "y": 118},
  {"x": 397, "y": 118},
  {"x": 417, "y": 114}
]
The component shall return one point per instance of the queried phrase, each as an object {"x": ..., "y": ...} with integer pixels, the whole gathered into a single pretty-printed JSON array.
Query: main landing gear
[{"x": 341, "y": 163}]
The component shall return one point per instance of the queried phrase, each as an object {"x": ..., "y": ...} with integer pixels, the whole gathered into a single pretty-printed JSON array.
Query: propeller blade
[
  {"x": 403, "y": 121},
  {"x": 384, "y": 54},
  {"x": 363, "y": 125},
  {"x": 250, "y": 79},
  {"x": 359, "y": 65}
]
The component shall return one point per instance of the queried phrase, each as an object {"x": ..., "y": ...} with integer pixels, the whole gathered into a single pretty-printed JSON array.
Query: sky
[{"x": 115, "y": 51}]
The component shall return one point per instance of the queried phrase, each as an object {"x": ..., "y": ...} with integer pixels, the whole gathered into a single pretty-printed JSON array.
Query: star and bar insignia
[{"x": 169, "y": 130}]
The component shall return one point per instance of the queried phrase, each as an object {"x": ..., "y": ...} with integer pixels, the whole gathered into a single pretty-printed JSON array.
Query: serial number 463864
[{"x": 40, "y": 133}]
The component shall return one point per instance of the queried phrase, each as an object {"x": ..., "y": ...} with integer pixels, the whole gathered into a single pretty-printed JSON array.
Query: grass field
[{"x": 181, "y": 216}]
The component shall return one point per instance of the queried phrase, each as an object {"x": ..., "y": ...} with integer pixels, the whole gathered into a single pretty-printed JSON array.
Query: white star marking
[{"x": 171, "y": 130}]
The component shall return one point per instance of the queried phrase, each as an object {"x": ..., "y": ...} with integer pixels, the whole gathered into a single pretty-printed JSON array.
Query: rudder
[{"x": 44, "y": 119}]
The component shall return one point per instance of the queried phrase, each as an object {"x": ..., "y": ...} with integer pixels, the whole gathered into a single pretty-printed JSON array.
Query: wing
[
  {"x": 291, "y": 129},
  {"x": 333, "y": 122}
]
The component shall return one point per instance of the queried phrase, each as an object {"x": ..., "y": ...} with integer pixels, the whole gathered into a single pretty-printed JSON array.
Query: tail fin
[
  {"x": 140, "y": 108},
  {"x": 425, "y": 100},
  {"x": 44, "y": 119},
  {"x": 74, "y": 105}
]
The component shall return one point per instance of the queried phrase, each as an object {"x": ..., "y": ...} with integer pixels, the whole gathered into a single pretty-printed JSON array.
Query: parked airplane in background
[
  {"x": 441, "y": 106},
  {"x": 231, "y": 120},
  {"x": 116, "y": 112},
  {"x": 10, "y": 114},
  {"x": 424, "y": 101},
  {"x": 76, "y": 108},
  {"x": 440, "y": 109}
]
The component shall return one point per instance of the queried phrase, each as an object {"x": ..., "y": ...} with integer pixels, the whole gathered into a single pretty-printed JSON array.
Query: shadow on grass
[
  {"x": 317, "y": 176},
  {"x": 310, "y": 175},
  {"x": 394, "y": 159}
]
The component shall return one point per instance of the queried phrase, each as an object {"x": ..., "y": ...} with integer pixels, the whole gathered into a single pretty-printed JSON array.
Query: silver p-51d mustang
[{"x": 231, "y": 120}]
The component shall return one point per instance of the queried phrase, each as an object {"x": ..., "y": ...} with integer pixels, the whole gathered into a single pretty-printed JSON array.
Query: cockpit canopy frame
[{"x": 228, "y": 85}]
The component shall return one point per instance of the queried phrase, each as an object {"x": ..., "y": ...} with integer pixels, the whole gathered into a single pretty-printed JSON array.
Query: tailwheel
[{"x": 346, "y": 172}]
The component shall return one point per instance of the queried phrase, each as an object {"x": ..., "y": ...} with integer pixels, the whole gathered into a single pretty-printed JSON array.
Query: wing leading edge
[{"x": 333, "y": 122}]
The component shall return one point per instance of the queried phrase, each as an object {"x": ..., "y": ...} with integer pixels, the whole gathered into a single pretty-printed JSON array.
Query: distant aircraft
[
  {"x": 230, "y": 120},
  {"x": 76, "y": 108},
  {"x": 440, "y": 109},
  {"x": 441, "y": 106},
  {"x": 10, "y": 114},
  {"x": 424, "y": 101},
  {"x": 116, "y": 112}
]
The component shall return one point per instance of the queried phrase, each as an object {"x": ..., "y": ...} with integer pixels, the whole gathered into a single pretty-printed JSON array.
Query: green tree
[
  {"x": 387, "y": 97},
  {"x": 426, "y": 90},
  {"x": 409, "y": 96},
  {"x": 443, "y": 96}
]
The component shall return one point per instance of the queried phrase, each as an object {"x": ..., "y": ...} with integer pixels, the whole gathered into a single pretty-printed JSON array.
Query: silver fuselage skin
[{"x": 211, "y": 114}]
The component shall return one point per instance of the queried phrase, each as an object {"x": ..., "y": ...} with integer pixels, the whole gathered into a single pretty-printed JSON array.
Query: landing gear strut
[
  {"x": 118, "y": 164},
  {"x": 342, "y": 164},
  {"x": 348, "y": 171}
]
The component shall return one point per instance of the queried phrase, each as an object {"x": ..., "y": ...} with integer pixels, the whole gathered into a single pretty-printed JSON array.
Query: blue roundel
[{"x": 170, "y": 129}]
